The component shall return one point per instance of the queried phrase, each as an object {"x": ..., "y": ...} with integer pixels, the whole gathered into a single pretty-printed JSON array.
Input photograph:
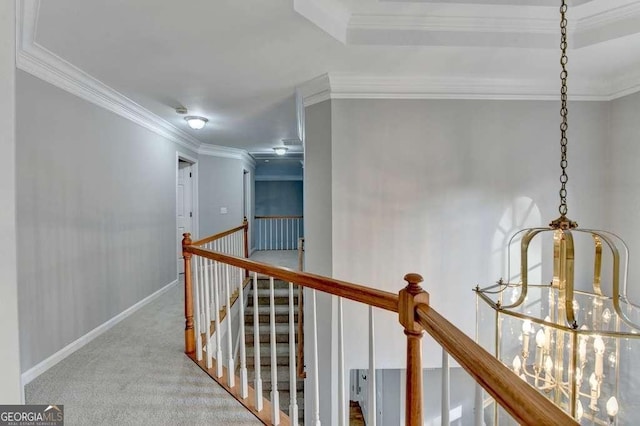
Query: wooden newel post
[
  {"x": 189, "y": 338},
  {"x": 245, "y": 224},
  {"x": 411, "y": 296}
]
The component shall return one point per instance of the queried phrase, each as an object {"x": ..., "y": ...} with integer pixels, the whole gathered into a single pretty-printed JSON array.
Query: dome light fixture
[
  {"x": 196, "y": 122},
  {"x": 281, "y": 150}
]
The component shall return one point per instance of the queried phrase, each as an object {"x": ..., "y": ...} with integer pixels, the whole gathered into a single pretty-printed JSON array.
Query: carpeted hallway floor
[{"x": 137, "y": 374}]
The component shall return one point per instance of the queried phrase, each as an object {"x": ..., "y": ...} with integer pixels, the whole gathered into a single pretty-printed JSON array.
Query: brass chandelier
[{"x": 576, "y": 344}]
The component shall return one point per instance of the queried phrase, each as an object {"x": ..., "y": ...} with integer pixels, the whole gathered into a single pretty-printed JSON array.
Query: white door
[{"x": 184, "y": 209}]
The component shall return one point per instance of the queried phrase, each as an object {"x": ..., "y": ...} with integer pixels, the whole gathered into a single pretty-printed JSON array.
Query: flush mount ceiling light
[
  {"x": 281, "y": 150},
  {"x": 195, "y": 122}
]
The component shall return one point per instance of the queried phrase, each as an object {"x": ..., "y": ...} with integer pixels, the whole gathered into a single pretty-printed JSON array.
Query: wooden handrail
[
  {"x": 358, "y": 293},
  {"x": 278, "y": 217},
  {"x": 520, "y": 400},
  {"x": 218, "y": 236}
]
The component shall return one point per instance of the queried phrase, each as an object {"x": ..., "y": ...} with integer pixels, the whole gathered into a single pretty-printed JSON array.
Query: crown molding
[
  {"x": 353, "y": 86},
  {"x": 456, "y": 24},
  {"x": 278, "y": 178},
  {"x": 40, "y": 62},
  {"x": 226, "y": 152}
]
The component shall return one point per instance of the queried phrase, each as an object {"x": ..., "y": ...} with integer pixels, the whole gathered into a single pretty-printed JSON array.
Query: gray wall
[
  {"x": 10, "y": 389},
  {"x": 623, "y": 201},
  {"x": 279, "y": 198},
  {"x": 318, "y": 248},
  {"x": 96, "y": 216},
  {"x": 219, "y": 185},
  {"x": 424, "y": 186}
]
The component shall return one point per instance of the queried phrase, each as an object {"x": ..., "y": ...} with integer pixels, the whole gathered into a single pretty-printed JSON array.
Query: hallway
[{"x": 137, "y": 374}]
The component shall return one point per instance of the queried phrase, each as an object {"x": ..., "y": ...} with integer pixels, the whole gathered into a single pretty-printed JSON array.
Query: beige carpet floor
[{"x": 137, "y": 374}]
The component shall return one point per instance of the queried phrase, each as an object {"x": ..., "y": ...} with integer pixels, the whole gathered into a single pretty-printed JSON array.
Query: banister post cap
[
  {"x": 409, "y": 297},
  {"x": 186, "y": 241}
]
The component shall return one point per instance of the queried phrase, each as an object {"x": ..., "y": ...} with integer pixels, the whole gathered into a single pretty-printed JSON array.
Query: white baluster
[
  {"x": 281, "y": 235},
  {"x": 342, "y": 397},
  {"x": 293, "y": 391},
  {"x": 271, "y": 234},
  {"x": 244, "y": 384},
  {"x": 372, "y": 372},
  {"x": 207, "y": 312},
  {"x": 216, "y": 301},
  {"x": 343, "y": 419},
  {"x": 231, "y": 376},
  {"x": 256, "y": 344},
  {"x": 275, "y": 397},
  {"x": 198, "y": 315},
  {"x": 316, "y": 378},
  {"x": 445, "y": 388},
  {"x": 286, "y": 226},
  {"x": 478, "y": 407}
]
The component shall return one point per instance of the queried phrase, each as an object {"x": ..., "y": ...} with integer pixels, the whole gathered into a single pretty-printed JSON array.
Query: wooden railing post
[
  {"x": 409, "y": 298},
  {"x": 189, "y": 342},
  {"x": 245, "y": 225}
]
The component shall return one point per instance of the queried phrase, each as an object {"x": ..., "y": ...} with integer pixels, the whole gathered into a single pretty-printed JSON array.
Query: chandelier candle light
[{"x": 575, "y": 344}]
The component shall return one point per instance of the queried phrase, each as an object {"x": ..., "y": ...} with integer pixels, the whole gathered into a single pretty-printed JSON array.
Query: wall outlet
[{"x": 223, "y": 210}]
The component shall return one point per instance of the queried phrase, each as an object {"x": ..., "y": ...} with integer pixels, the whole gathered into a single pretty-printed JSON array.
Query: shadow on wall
[{"x": 522, "y": 213}]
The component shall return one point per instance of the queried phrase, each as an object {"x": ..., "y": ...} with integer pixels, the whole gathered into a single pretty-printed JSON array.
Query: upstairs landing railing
[
  {"x": 278, "y": 232},
  {"x": 524, "y": 404}
]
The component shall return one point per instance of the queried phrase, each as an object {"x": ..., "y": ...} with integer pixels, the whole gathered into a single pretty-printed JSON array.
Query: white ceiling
[{"x": 238, "y": 62}]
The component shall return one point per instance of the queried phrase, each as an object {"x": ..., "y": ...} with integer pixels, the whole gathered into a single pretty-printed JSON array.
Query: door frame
[{"x": 195, "y": 222}]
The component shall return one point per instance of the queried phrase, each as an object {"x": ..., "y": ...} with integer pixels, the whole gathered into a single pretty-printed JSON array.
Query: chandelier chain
[{"x": 564, "y": 178}]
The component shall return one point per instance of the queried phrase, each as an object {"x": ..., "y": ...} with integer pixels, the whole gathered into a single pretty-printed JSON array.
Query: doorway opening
[{"x": 186, "y": 203}]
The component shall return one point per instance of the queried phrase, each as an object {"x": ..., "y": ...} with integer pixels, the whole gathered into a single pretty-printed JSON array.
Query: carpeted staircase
[{"x": 281, "y": 299}]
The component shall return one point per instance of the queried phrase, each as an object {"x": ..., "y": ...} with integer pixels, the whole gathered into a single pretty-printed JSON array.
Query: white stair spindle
[
  {"x": 231, "y": 376},
  {"x": 293, "y": 391},
  {"x": 197, "y": 315},
  {"x": 207, "y": 312},
  {"x": 281, "y": 235},
  {"x": 478, "y": 413},
  {"x": 244, "y": 384},
  {"x": 271, "y": 235},
  {"x": 343, "y": 419},
  {"x": 216, "y": 301},
  {"x": 316, "y": 378},
  {"x": 275, "y": 398},
  {"x": 256, "y": 344},
  {"x": 286, "y": 222},
  {"x": 445, "y": 388},
  {"x": 371, "y": 411}
]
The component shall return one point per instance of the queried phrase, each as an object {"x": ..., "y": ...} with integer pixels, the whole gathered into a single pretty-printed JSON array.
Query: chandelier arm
[
  {"x": 510, "y": 243},
  {"x": 616, "y": 282},
  {"x": 524, "y": 246},
  {"x": 597, "y": 265},
  {"x": 625, "y": 277},
  {"x": 566, "y": 291}
]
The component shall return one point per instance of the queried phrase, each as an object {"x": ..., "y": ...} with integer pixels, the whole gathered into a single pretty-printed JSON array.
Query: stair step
[
  {"x": 282, "y": 355},
  {"x": 277, "y": 284}
]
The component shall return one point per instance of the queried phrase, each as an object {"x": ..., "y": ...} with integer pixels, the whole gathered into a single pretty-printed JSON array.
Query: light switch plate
[{"x": 223, "y": 210}]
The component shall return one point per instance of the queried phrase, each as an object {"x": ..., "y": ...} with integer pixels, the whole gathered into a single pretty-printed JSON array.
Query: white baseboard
[{"x": 29, "y": 375}]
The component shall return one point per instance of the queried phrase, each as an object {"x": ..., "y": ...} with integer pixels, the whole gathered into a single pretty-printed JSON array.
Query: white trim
[
  {"x": 29, "y": 375},
  {"x": 353, "y": 86},
  {"x": 226, "y": 152}
]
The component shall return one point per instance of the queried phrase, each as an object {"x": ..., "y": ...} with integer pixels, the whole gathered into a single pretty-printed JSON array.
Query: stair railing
[
  {"x": 278, "y": 232},
  {"x": 523, "y": 403}
]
